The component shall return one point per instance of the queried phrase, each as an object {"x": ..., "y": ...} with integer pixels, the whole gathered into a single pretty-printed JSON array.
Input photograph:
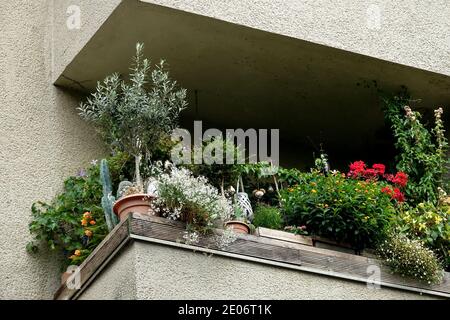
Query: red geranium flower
[
  {"x": 398, "y": 195},
  {"x": 357, "y": 168},
  {"x": 388, "y": 191},
  {"x": 370, "y": 173},
  {"x": 400, "y": 179},
  {"x": 379, "y": 168}
]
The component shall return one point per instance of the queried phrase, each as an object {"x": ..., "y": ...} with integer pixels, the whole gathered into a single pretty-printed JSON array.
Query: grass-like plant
[{"x": 267, "y": 217}]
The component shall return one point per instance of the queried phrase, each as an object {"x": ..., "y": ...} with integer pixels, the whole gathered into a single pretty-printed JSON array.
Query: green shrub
[
  {"x": 267, "y": 217},
  {"x": 58, "y": 224},
  {"x": 428, "y": 223},
  {"x": 340, "y": 208},
  {"x": 410, "y": 258},
  {"x": 422, "y": 151}
]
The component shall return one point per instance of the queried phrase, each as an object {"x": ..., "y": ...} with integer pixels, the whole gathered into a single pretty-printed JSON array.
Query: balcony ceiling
[{"x": 241, "y": 77}]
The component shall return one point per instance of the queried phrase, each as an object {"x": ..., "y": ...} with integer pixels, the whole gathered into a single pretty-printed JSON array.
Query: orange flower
[
  {"x": 84, "y": 223},
  {"x": 87, "y": 215},
  {"x": 77, "y": 253},
  {"x": 88, "y": 233},
  {"x": 92, "y": 222}
]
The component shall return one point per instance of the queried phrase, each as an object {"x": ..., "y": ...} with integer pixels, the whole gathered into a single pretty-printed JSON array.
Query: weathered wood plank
[
  {"x": 285, "y": 236},
  {"x": 100, "y": 254},
  {"x": 286, "y": 252}
]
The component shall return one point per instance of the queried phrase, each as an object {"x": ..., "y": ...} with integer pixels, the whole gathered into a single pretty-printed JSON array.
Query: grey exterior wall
[
  {"x": 42, "y": 140},
  {"x": 410, "y": 32},
  {"x": 164, "y": 272}
]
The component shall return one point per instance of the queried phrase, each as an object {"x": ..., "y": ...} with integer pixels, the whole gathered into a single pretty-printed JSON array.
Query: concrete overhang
[{"x": 240, "y": 77}]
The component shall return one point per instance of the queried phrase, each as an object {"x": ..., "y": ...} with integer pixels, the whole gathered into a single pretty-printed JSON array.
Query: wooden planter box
[
  {"x": 284, "y": 236},
  {"x": 272, "y": 247},
  {"x": 314, "y": 241}
]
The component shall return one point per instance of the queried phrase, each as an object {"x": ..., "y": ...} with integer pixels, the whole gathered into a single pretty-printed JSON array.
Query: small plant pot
[
  {"x": 237, "y": 226},
  {"x": 135, "y": 203}
]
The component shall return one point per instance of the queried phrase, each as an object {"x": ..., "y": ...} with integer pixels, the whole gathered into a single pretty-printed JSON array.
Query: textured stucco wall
[
  {"x": 67, "y": 42},
  {"x": 163, "y": 272},
  {"x": 42, "y": 141},
  {"x": 411, "y": 32},
  {"x": 119, "y": 282}
]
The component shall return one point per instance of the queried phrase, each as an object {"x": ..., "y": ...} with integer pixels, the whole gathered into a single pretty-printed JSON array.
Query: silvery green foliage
[
  {"x": 178, "y": 187},
  {"x": 191, "y": 237},
  {"x": 107, "y": 199},
  {"x": 227, "y": 237},
  {"x": 134, "y": 115}
]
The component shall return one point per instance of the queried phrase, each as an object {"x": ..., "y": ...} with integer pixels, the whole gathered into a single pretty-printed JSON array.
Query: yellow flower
[
  {"x": 437, "y": 219},
  {"x": 422, "y": 226},
  {"x": 77, "y": 253},
  {"x": 313, "y": 190}
]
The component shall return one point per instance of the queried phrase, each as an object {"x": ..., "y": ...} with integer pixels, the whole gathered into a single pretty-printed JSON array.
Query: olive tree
[{"x": 134, "y": 115}]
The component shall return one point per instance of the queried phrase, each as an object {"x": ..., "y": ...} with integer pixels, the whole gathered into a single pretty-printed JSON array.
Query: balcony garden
[{"x": 400, "y": 213}]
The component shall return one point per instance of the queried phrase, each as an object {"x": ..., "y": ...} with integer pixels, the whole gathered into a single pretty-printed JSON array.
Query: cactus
[{"x": 107, "y": 199}]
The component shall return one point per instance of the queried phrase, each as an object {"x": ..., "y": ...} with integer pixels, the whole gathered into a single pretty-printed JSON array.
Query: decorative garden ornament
[
  {"x": 243, "y": 201},
  {"x": 259, "y": 193},
  {"x": 152, "y": 187}
]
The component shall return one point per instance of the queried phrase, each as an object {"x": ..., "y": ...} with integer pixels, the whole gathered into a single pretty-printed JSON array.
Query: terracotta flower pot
[
  {"x": 237, "y": 226},
  {"x": 135, "y": 203}
]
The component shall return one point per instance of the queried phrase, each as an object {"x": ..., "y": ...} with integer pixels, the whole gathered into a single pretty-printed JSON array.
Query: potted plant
[
  {"x": 133, "y": 117},
  {"x": 190, "y": 199},
  {"x": 238, "y": 222}
]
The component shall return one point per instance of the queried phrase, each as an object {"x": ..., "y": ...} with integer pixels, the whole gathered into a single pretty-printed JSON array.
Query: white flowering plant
[
  {"x": 410, "y": 258},
  {"x": 182, "y": 196}
]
